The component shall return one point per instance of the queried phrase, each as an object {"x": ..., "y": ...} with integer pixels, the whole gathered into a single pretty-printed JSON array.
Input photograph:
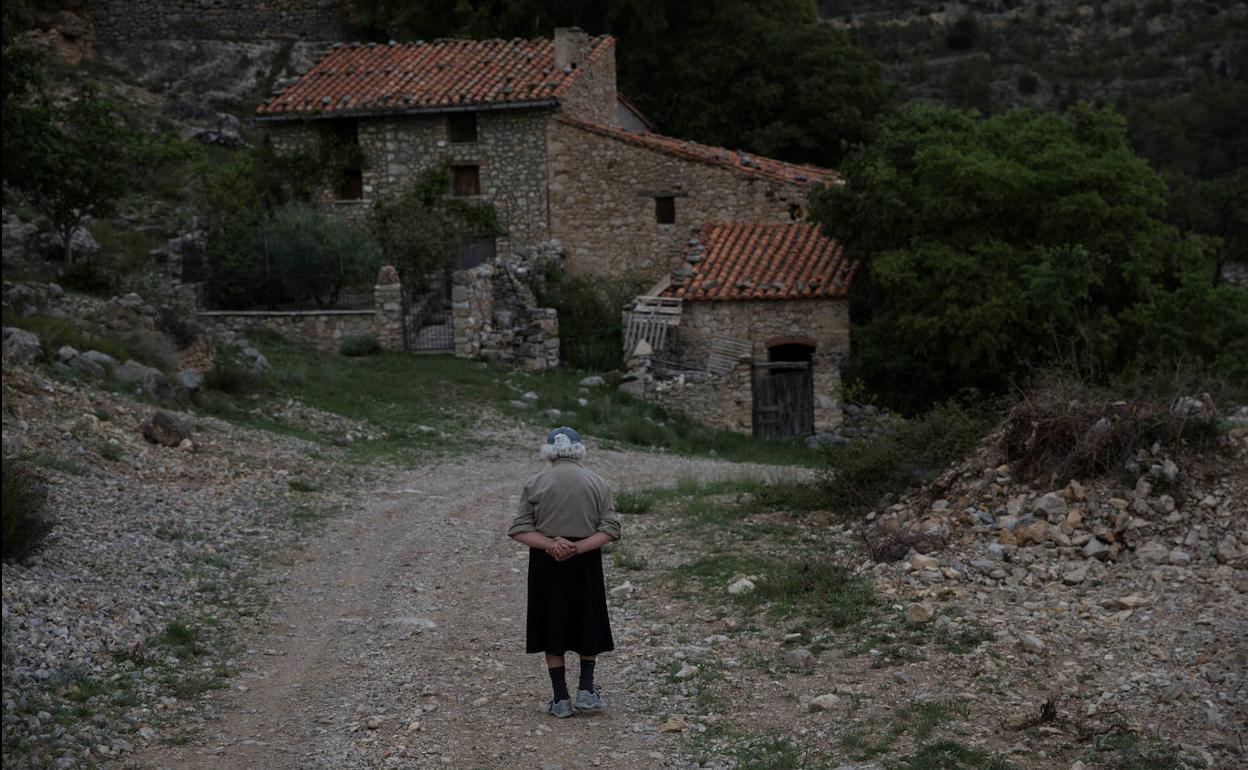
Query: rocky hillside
[{"x": 986, "y": 53}]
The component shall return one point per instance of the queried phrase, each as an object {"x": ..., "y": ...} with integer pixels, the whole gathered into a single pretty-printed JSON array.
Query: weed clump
[
  {"x": 229, "y": 375},
  {"x": 25, "y": 498},
  {"x": 359, "y": 345},
  {"x": 859, "y": 474}
]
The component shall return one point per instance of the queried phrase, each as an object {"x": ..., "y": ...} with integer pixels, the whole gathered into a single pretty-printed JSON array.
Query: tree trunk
[{"x": 67, "y": 241}]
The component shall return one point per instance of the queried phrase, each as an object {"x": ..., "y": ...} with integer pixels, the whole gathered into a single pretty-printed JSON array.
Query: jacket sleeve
[
  {"x": 526, "y": 515},
  {"x": 609, "y": 521}
]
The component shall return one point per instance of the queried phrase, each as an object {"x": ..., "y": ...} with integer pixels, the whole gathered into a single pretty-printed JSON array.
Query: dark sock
[
  {"x": 587, "y": 675},
  {"x": 558, "y": 682}
]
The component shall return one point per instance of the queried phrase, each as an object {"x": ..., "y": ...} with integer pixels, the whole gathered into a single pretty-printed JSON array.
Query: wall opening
[
  {"x": 462, "y": 127},
  {"x": 465, "y": 180},
  {"x": 665, "y": 210}
]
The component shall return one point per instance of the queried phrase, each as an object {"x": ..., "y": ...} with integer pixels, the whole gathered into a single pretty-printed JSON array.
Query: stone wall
[
  {"x": 720, "y": 401},
  {"x": 727, "y": 401},
  {"x": 322, "y": 329},
  {"x": 496, "y": 318},
  {"x": 510, "y": 151},
  {"x": 325, "y": 329},
  {"x": 121, "y": 21},
  {"x": 602, "y": 201},
  {"x": 592, "y": 95}
]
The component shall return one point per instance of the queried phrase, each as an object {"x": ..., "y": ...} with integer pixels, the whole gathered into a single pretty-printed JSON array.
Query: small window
[
  {"x": 665, "y": 210},
  {"x": 352, "y": 186},
  {"x": 465, "y": 180},
  {"x": 462, "y": 126}
]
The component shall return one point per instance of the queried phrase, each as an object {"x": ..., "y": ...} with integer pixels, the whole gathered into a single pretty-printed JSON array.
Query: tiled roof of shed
[
  {"x": 719, "y": 156},
  {"x": 428, "y": 76},
  {"x": 752, "y": 261}
]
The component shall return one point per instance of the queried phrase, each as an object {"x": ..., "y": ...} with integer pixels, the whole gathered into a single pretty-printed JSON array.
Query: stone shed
[{"x": 749, "y": 333}]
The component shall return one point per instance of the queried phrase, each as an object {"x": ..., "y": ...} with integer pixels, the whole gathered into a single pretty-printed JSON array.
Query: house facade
[
  {"x": 762, "y": 328},
  {"x": 754, "y": 297},
  {"x": 536, "y": 128}
]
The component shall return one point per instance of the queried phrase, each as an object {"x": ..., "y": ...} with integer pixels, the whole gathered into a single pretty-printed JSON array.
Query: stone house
[
  {"x": 757, "y": 308},
  {"x": 536, "y": 128},
  {"x": 757, "y": 328}
]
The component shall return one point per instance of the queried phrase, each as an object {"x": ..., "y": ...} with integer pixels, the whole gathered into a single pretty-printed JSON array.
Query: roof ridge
[{"x": 746, "y": 162}]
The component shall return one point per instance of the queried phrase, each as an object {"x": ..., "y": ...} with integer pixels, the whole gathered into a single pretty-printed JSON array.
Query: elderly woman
[{"x": 566, "y": 515}]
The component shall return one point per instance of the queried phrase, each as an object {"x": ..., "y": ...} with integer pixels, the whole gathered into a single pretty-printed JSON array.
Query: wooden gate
[{"x": 784, "y": 400}]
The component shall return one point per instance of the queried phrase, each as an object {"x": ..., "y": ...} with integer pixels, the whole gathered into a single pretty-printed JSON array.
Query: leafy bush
[
  {"x": 421, "y": 228},
  {"x": 229, "y": 375},
  {"x": 25, "y": 498},
  {"x": 859, "y": 474},
  {"x": 359, "y": 345},
  {"x": 315, "y": 256},
  {"x": 992, "y": 246},
  {"x": 88, "y": 278},
  {"x": 591, "y": 326}
]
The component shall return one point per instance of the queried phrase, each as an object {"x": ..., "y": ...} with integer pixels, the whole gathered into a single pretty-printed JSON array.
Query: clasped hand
[{"x": 561, "y": 549}]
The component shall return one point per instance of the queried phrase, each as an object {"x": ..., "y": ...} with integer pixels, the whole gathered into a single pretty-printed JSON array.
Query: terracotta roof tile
[
  {"x": 415, "y": 77},
  {"x": 734, "y": 159},
  {"x": 749, "y": 261}
]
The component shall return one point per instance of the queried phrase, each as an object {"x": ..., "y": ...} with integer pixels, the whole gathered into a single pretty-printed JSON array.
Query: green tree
[
  {"x": 1199, "y": 142},
  {"x": 74, "y": 161},
  {"x": 990, "y": 246},
  {"x": 316, "y": 256},
  {"x": 420, "y": 229}
]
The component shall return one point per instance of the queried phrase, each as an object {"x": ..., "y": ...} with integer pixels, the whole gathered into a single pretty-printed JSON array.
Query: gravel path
[{"x": 396, "y": 640}]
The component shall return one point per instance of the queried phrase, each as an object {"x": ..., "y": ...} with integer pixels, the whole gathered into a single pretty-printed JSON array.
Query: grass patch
[
  {"x": 301, "y": 485},
  {"x": 950, "y": 755},
  {"x": 830, "y": 592},
  {"x": 918, "y": 720},
  {"x": 181, "y": 637},
  {"x": 304, "y": 513},
  {"x": 1130, "y": 752},
  {"x": 357, "y": 345},
  {"x": 62, "y": 464},
  {"x": 427, "y": 403},
  {"x": 627, "y": 559},
  {"x": 110, "y": 452},
  {"x": 56, "y": 333}
]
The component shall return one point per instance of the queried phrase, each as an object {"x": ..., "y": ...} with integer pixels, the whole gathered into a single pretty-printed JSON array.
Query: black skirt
[{"x": 567, "y": 605}]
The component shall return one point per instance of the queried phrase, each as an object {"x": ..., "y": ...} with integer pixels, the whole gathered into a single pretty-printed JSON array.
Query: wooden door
[{"x": 784, "y": 400}]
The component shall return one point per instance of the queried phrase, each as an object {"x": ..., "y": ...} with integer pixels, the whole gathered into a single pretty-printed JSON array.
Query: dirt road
[{"x": 397, "y": 641}]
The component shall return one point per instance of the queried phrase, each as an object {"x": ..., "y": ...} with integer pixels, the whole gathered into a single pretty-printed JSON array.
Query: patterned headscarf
[{"x": 563, "y": 442}]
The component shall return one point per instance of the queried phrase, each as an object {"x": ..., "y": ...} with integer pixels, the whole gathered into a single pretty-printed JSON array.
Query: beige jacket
[{"x": 566, "y": 500}]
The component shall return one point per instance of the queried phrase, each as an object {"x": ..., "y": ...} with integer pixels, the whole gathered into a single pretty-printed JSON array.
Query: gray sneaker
[
  {"x": 560, "y": 709},
  {"x": 590, "y": 701}
]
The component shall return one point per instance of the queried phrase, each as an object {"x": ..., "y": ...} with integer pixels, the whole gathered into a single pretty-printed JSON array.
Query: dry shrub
[
  {"x": 1064, "y": 430},
  {"x": 894, "y": 546}
]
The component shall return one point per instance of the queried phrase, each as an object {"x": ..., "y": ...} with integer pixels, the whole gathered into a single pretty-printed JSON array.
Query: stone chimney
[{"x": 571, "y": 44}]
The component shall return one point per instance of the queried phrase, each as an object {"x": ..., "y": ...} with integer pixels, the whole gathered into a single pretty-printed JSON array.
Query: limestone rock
[
  {"x": 676, "y": 723},
  {"x": 801, "y": 659},
  {"x": 190, "y": 379},
  {"x": 825, "y": 702},
  {"x": 21, "y": 346},
  {"x": 920, "y": 612},
  {"x": 166, "y": 429},
  {"x": 921, "y": 562},
  {"x": 1031, "y": 643},
  {"x": 742, "y": 586},
  {"x": 1052, "y": 506}
]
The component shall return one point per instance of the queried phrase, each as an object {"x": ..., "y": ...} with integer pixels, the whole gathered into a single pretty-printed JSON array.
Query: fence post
[{"x": 388, "y": 307}]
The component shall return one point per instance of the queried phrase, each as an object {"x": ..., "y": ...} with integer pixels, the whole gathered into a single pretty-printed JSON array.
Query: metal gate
[{"x": 784, "y": 400}]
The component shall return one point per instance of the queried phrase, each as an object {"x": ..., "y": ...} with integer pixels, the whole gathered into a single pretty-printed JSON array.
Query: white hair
[{"x": 563, "y": 447}]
